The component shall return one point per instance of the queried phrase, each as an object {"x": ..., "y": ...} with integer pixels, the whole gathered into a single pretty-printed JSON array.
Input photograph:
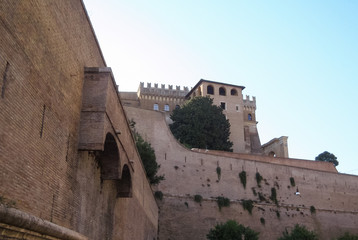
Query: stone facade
[
  {"x": 69, "y": 166},
  {"x": 194, "y": 172},
  {"x": 240, "y": 112}
]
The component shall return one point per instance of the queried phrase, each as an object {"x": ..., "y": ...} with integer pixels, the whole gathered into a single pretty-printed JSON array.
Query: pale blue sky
[{"x": 299, "y": 58}]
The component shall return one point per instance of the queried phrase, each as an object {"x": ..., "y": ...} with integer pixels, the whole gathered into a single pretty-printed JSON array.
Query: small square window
[
  {"x": 156, "y": 107},
  {"x": 223, "y": 105}
]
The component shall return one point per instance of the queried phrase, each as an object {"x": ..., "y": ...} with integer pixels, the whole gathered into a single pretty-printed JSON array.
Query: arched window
[
  {"x": 233, "y": 92},
  {"x": 156, "y": 107},
  {"x": 249, "y": 117},
  {"x": 166, "y": 107},
  {"x": 210, "y": 90},
  {"x": 272, "y": 154},
  {"x": 222, "y": 91}
]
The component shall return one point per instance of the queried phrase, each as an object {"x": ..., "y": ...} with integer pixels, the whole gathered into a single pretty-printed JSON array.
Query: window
[
  {"x": 177, "y": 107},
  {"x": 156, "y": 107},
  {"x": 223, "y": 105},
  {"x": 210, "y": 90},
  {"x": 222, "y": 91},
  {"x": 249, "y": 117},
  {"x": 166, "y": 107},
  {"x": 233, "y": 92},
  {"x": 237, "y": 108}
]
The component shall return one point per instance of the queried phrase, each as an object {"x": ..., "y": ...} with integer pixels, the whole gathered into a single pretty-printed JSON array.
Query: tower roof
[{"x": 209, "y": 81}]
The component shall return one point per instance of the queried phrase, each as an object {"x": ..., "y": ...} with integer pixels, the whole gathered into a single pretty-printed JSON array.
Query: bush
[
  {"x": 218, "y": 171},
  {"x": 292, "y": 181},
  {"x": 198, "y": 198},
  {"x": 223, "y": 202},
  {"x": 258, "y": 179},
  {"x": 299, "y": 232},
  {"x": 274, "y": 195},
  {"x": 158, "y": 195},
  {"x": 231, "y": 231},
  {"x": 262, "y": 220},
  {"x": 242, "y": 177},
  {"x": 312, "y": 209},
  {"x": 348, "y": 236},
  {"x": 248, "y": 205}
]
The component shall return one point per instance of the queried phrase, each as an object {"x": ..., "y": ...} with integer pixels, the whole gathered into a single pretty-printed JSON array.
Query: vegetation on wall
[
  {"x": 242, "y": 176},
  {"x": 258, "y": 179},
  {"x": 201, "y": 124},
  {"x": 218, "y": 172},
  {"x": 312, "y": 209},
  {"x": 231, "y": 230},
  {"x": 327, "y": 157},
  {"x": 223, "y": 202},
  {"x": 248, "y": 205},
  {"x": 147, "y": 156},
  {"x": 273, "y": 196},
  {"x": 158, "y": 195},
  {"x": 262, "y": 220},
  {"x": 299, "y": 232},
  {"x": 198, "y": 198},
  {"x": 292, "y": 181}
]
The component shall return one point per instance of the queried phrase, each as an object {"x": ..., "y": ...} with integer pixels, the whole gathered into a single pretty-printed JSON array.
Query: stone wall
[
  {"x": 189, "y": 173},
  {"x": 45, "y": 47}
]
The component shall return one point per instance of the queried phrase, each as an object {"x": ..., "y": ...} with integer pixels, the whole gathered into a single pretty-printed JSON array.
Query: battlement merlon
[
  {"x": 162, "y": 90},
  {"x": 250, "y": 103}
]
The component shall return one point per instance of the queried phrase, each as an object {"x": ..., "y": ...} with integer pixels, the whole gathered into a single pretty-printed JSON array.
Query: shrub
[
  {"x": 274, "y": 195},
  {"x": 277, "y": 214},
  {"x": 254, "y": 191},
  {"x": 248, "y": 205},
  {"x": 262, "y": 220},
  {"x": 231, "y": 231},
  {"x": 258, "y": 179},
  {"x": 348, "y": 236},
  {"x": 261, "y": 197},
  {"x": 223, "y": 202},
  {"x": 218, "y": 171},
  {"x": 158, "y": 195},
  {"x": 198, "y": 198},
  {"x": 242, "y": 177},
  {"x": 312, "y": 210},
  {"x": 186, "y": 204},
  {"x": 299, "y": 232},
  {"x": 292, "y": 181}
]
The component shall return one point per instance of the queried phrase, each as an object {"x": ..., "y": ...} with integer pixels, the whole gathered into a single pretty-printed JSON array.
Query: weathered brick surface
[{"x": 44, "y": 47}]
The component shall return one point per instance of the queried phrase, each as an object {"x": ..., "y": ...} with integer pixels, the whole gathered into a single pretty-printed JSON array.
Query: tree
[
  {"x": 200, "y": 124},
  {"x": 147, "y": 155},
  {"x": 327, "y": 157},
  {"x": 232, "y": 231},
  {"x": 299, "y": 233}
]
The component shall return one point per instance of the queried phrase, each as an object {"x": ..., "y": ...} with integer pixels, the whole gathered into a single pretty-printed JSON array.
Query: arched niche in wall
[
  {"x": 109, "y": 159},
  {"x": 125, "y": 183},
  {"x": 222, "y": 91}
]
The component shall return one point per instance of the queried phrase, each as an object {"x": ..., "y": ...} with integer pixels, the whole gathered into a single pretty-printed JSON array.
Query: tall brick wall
[
  {"x": 189, "y": 173},
  {"x": 45, "y": 46}
]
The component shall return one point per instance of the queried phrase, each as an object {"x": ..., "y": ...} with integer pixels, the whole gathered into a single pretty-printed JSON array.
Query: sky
[{"x": 298, "y": 58}]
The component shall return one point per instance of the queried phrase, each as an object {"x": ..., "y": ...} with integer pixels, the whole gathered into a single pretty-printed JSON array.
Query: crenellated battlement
[
  {"x": 162, "y": 90},
  {"x": 250, "y": 104}
]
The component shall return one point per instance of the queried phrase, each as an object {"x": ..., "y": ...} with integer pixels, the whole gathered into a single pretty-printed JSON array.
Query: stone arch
[
  {"x": 109, "y": 159},
  {"x": 233, "y": 92},
  {"x": 210, "y": 89},
  {"x": 222, "y": 91},
  {"x": 125, "y": 183}
]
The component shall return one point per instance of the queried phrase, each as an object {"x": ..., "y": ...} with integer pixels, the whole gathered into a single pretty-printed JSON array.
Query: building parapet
[
  {"x": 249, "y": 104},
  {"x": 162, "y": 91}
]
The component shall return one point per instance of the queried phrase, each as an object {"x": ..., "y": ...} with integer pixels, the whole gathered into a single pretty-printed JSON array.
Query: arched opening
[
  {"x": 233, "y": 92},
  {"x": 210, "y": 90},
  {"x": 125, "y": 183},
  {"x": 249, "y": 117},
  {"x": 109, "y": 159},
  {"x": 272, "y": 154},
  {"x": 222, "y": 91}
]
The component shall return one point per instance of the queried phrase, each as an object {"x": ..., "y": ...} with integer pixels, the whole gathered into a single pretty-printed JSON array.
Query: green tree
[
  {"x": 200, "y": 124},
  {"x": 299, "y": 233},
  {"x": 232, "y": 231},
  {"x": 327, "y": 157},
  {"x": 147, "y": 156}
]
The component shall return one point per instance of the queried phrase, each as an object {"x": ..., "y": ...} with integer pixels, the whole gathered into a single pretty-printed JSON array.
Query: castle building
[{"x": 239, "y": 111}]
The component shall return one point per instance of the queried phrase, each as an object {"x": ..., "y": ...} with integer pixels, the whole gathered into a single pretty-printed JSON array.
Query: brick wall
[{"x": 45, "y": 46}]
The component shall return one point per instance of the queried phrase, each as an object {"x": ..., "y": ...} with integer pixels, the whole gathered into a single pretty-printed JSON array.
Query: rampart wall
[
  {"x": 189, "y": 173},
  {"x": 49, "y": 189}
]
